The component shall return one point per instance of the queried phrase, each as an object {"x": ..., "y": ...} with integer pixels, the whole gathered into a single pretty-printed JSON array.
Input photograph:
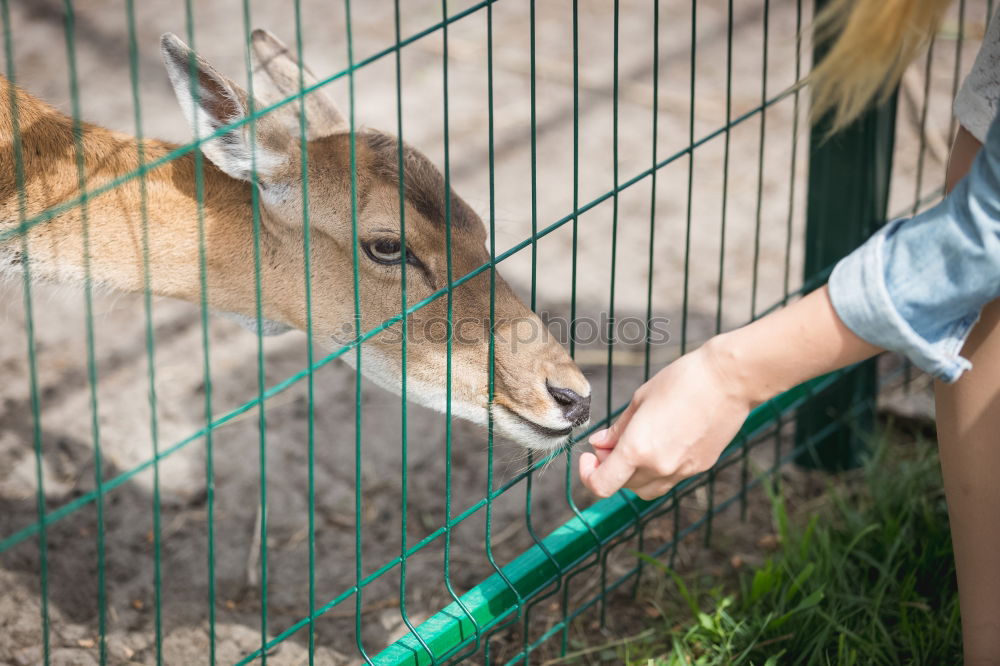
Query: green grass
[{"x": 868, "y": 578}]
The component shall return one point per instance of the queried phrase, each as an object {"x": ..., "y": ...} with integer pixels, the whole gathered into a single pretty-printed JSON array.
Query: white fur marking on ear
[
  {"x": 219, "y": 103},
  {"x": 231, "y": 150}
]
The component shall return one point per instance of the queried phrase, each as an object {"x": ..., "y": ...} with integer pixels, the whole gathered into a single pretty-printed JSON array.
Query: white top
[{"x": 976, "y": 102}]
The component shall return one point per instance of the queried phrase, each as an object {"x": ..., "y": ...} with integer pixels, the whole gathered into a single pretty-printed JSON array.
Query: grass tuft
[{"x": 867, "y": 578}]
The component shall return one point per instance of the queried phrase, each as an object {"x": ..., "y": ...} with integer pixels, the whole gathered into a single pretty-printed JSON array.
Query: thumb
[
  {"x": 588, "y": 463},
  {"x": 591, "y": 461},
  {"x": 607, "y": 477}
]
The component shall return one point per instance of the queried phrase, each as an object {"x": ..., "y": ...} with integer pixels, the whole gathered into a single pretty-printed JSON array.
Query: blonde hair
[{"x": 871, "y": 42}]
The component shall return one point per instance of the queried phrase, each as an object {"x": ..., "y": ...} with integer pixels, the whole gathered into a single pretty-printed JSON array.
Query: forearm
[
  {"x": 681, "y": 419},
  {"x": 808, "y": 338},
  {"x": 794, "y": 344}
]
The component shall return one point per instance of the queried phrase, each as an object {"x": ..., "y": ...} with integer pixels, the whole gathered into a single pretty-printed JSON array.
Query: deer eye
[{"x": 386, "y": 251}]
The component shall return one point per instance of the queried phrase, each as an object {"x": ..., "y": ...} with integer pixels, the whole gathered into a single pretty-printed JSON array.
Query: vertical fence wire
[
  {"x": 760, "y": 164},
  {"x": 147, "y": 302},
  {"x": 533, "y": 302},
  {"x": 652, "y": 188},
  {"x": 685, "y": 298},
  {"x": 614, "y": 214},
  {"x": 199, "y": 184},
  {"x": 259, "y": 316},
  {"x": 530, "y": 461},
  {"x": 358, "y": 496},
  {"x": 793, "y": 167},
  {"x": 754, "y": 283},
  {"x": 790, "y": 218},
  {"x": 404, "y": 449},
  {"x": 29, "y": 331},
  {"x": 724, "y": 198},
  {"x": 650, "y": 270},
  {"x": 95, "y": 429},
  {"x": 448, "y": 333},
  {"x": 564, "y": 637},
  {"x": 726, "y": 147},
  {"x": 568, "y": 481},
  {"x": 609, "y": 404},
  {"x": 615, "y": 101},
  {"x": 450, "y": 298},
  {"x": 449, "y": 585},
  {"x": 576, "y": 179},
  {"x": 491, "y": 352},
  {"x": 310, "y": 379}
]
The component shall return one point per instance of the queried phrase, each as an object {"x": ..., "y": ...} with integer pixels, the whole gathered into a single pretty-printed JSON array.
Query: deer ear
[
  {"x": 276, "y": 75},
  {"x": 210, "y": 101}
]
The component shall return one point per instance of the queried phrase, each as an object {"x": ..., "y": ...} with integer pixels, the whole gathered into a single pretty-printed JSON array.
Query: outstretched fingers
[
  {"x": 606, "y": 470},
  {"x": 608, "y": 438}
]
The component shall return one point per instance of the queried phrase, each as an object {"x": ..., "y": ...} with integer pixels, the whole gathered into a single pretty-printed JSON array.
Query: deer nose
[{"x": 575, "y": 407}]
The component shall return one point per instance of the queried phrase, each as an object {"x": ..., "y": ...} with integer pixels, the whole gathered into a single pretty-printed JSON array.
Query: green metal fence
[{"x": 531, "y": 601}]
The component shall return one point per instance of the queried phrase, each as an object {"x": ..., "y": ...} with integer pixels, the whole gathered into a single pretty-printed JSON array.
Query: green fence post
[{"x": 848, "y": 194}]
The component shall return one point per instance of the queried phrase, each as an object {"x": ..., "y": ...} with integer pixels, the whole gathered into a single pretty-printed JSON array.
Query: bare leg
[{"x": 968, "y": 422}]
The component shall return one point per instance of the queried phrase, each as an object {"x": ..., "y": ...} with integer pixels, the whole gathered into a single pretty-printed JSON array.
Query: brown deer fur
[{"x": 527, "y": 370}]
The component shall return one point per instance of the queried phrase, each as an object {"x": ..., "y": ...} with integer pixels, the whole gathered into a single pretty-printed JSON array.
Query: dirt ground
[{"x": 101, "y": 46}]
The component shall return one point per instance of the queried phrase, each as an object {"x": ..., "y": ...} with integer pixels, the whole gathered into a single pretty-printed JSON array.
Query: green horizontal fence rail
[
  {"x": 497, "y": 597},
  {"x": 827, "y": 410}
]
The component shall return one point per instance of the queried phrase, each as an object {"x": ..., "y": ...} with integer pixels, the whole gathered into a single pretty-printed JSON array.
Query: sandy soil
[{"x": 124, "y": 411}]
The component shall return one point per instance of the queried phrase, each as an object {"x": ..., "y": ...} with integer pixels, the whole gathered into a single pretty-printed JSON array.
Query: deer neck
[{"x": 161, "y": 214}]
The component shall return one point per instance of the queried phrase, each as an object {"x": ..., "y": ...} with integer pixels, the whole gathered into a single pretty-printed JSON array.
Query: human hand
[
  {"x": 680, "y": 420},
  {"x": 676, "y": 426}
]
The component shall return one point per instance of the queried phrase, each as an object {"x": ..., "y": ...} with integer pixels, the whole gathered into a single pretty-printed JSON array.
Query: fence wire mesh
[{"x": 176, "y": 490}]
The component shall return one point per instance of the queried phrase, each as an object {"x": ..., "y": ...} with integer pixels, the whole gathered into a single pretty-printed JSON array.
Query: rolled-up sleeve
[{"x": 918, "y": 285}]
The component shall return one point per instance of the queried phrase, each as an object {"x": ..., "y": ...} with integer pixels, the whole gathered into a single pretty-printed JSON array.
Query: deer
[{"x": 540, "y": 396}]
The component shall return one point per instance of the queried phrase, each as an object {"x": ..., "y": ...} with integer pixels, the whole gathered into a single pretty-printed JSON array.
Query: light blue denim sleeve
[{"x": 918, "y": 285}]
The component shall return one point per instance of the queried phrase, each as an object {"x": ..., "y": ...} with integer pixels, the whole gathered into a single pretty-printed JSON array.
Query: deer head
[{"x": 539, "y": 393}]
